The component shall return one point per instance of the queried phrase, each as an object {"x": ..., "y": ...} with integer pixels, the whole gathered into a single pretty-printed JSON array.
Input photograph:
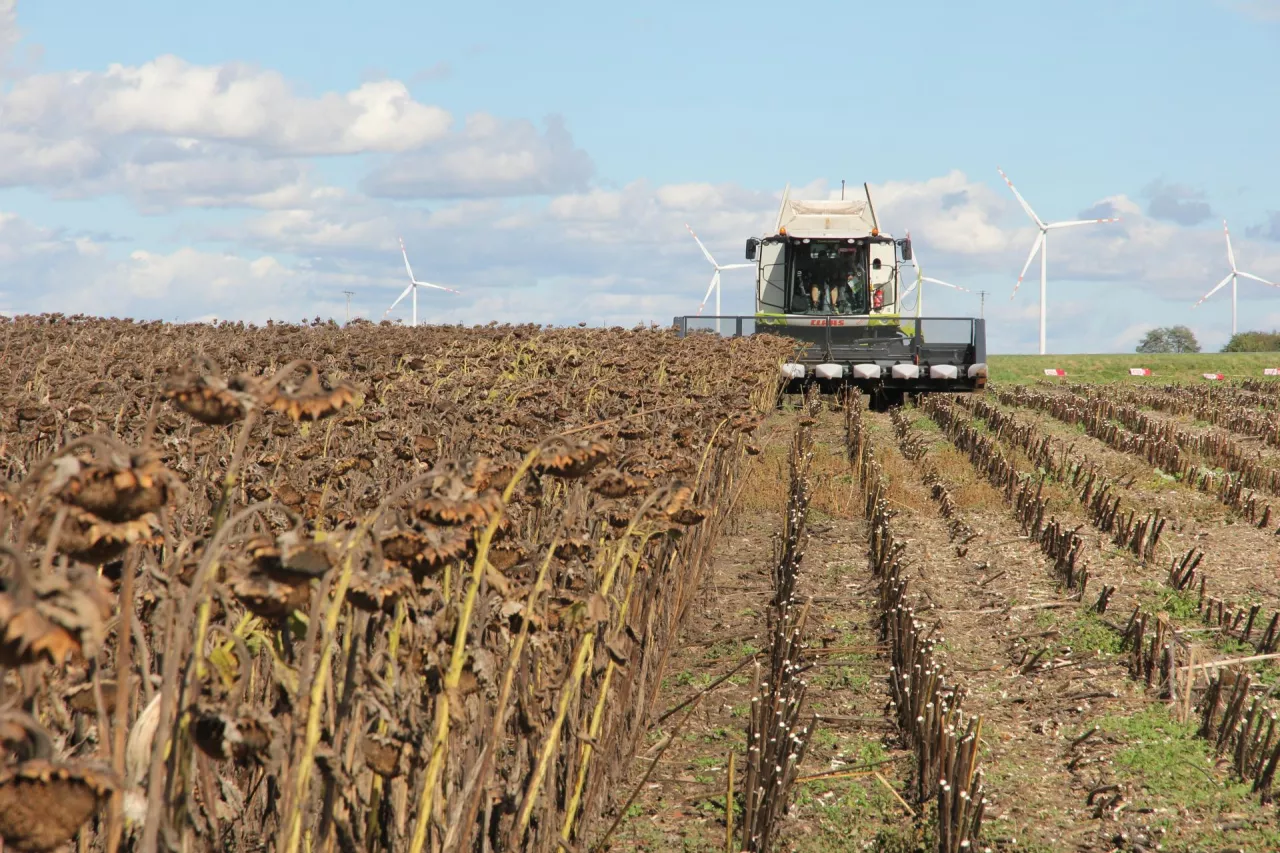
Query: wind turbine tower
[
  {"x": 1041, "y": 245},
  {"x": 921, "y": 278},
  {"x": 1232, "y": 277},
  {"x": 715, "y": 277},
  {"x": 414, "y": 284}
]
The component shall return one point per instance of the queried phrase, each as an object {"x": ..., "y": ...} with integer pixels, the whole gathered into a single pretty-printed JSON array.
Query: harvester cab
[{"x": 829, "y": 277}]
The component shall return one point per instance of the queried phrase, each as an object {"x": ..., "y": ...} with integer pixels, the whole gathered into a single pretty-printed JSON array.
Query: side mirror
[
  {"x": 752, "y": 242},
  {"x": 905, "y": 245}
]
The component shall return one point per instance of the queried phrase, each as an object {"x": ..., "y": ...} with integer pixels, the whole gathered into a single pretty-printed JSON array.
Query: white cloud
[
  {"x": 45, "y": 270},
  {"x": 489, "y": 157},
  {"x": 27, "y": 160},
  {"x": 9, "y": 35},
  {"x": 515, "y": 220},
  {"x": 229, "y": 103}
]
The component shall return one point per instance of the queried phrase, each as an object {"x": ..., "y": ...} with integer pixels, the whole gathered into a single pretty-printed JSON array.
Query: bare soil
[
  {"x": 1242, "y": 561},
  {"x": 1076, "y": 755}
]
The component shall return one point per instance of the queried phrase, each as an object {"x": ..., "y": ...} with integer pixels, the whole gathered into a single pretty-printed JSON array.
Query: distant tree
[
  {"x": 1182, "y": 339},
  {"x": 1169, "y": 339},
  {"x": 1253, "y": 342}
]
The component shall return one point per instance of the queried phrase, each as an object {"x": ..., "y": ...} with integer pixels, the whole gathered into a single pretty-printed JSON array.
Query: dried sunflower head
[
  {"x": 53, "y": 617},
  {"x": 379, "y": 591},
  {"x": 200, "y": 392},
  {"x": 311, "y": 399},
  {"x": 43, "y": 804},
  {"x": 612, "y": 483},
  {"x": 427, "y": 551},
  {"x": 90, "y": 539},
  {"x": 568, "y": 457},
  {"x": 115, "y": 487},
  {"x": 268, "y": 598},
  {"x": 675, "y": 503},
  {"x": 289, "y": 558},
  {"x": 246, "y": 735},
  {"x": 451, "y": 499}
]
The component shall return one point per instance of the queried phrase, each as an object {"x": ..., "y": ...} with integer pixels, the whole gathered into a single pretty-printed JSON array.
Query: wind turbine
[
  {"x": 715, "y": 278},
  {"x": 921, "y": 278},
  {"x": 1231, "y": 277},
  {"x": 1042, "y": 245},
  {"x": 414, "y": 284}
]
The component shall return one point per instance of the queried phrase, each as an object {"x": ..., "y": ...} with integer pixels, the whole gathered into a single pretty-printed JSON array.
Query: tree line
[{"x": 1174, "y": 339}]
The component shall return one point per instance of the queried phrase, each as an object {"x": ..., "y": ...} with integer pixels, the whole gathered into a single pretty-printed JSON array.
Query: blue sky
[{"x": 552, "y": 152}]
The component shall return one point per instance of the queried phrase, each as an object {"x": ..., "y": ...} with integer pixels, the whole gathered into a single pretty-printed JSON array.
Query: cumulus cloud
[
  {"x": 958, "y": 215},
  {"x": 1269, "y": 230},
  {"x": 234, "y": 102},
  {"x": 168, "y": 134},
  {"x": 513, "y": 214},
  {"x": 9, "y": 35},
  {"x": 45, "y": 269},
  {"x": 160, "y": 174},
  {"x": 489, "y": 157},
  {"x": 29, "y": 160},
  {"x": 1176, "y": 203}
]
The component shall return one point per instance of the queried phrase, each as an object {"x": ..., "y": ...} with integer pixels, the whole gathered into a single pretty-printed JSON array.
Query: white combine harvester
[{"x": 830, "y": 278}]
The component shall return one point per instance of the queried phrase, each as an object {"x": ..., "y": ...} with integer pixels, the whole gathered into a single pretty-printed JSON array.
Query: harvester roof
[{"x": 826, "y": 218}]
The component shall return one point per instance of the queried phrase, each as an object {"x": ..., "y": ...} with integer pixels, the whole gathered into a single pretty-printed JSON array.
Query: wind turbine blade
[
  {"x": 1255, "y": 278},
  {"x": 782, "y": 208},
  {"x": 1072, "y": 222},
  {"x": 907, "y": 292},
  {"x": 946, "y": 284},
  {"x": 715, "y": 276},
  {"x": 702, "y": 247},
  {"x": 736, "y": 266},
  {"x": 436, "y": 286},
  {"x": 1022, "y": 201},
  {"x": 1035, "y": 247},
  {"x": 408, "y": 268},
  {"x": 1216, "y": 288},
  {"x": 1231, "y": 256},
  {"x": 406, "y": 292}
]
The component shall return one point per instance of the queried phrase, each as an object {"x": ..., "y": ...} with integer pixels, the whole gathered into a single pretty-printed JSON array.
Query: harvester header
[{"x": 830, "y": 277}]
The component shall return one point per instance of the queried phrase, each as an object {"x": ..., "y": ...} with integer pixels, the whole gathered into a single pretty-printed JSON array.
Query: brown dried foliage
[{"x": 336, "y": 621}]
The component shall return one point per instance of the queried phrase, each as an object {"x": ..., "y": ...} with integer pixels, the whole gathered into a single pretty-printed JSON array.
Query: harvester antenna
[
  {"x": 875, "y": 223},
  {"x": 350, "y": 293},
  {"x": 842, "y": 189}
]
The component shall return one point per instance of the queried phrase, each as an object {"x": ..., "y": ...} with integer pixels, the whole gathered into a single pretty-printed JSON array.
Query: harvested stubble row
[
  {"x": 1168, "y": 661},
  {"x": 776, "y": 738},
  {"x": 1216, "y": 448},
  {"x": 914, "y": 447},
  {"x": 1236, "y": 716},
  {"x": 1236, "y": 622},
  {"x": 370, "y": 588},
  {"x": 1164, "y": 652},
  {"x": 1235, "y": 409},
  {"x": 1161, "y": 445},
  {"x": 929, "y": 708},
  {"x": 1127, "y": 530}
]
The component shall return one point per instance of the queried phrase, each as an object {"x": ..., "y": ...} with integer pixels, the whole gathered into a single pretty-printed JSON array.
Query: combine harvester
[{"x": 830, "y": 278}]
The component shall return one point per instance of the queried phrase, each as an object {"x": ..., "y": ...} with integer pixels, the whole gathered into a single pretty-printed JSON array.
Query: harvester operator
[{"x": 853, "y": 291}]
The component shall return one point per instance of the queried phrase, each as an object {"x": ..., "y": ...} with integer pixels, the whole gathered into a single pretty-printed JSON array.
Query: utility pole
[
  {"x": 349, "y": 293},
  {"x": 982, "y": 305}
]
